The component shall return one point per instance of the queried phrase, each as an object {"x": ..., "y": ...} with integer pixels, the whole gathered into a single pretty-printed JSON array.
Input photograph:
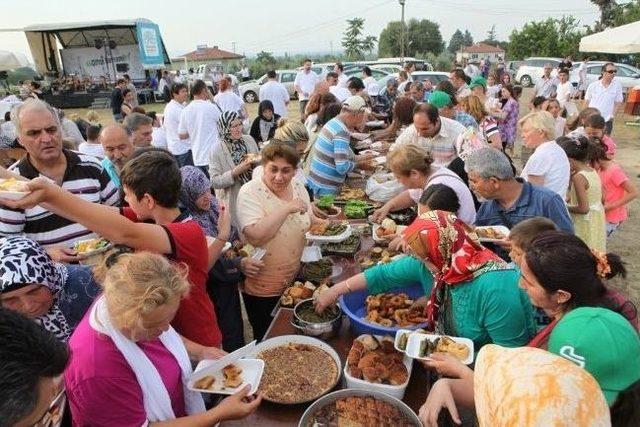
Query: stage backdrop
[{"x": 89, "y": 61}]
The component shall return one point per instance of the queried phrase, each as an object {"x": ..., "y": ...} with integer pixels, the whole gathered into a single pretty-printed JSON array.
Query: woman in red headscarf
[{"x": 471, "y": 292}]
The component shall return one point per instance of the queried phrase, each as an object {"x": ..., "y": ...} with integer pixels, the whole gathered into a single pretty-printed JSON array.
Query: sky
[{"x": 283, "y": 26}]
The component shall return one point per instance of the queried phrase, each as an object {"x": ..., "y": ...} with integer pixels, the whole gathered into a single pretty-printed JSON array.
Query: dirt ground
[{"x": 625, "y": 242}]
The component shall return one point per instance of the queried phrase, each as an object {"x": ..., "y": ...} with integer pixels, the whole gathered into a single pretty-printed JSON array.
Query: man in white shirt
[
  {"x": 547, "y": 85},
  {"x": 244, "y": 73},
  {"x": 370, "y": 83},
  {"x": 338, "y": 68},
  {"x": 605, "y": 95},
  {"x": 431, "y": 131},
  {"x": 564, "y": 90},
  {"x": 274, "y": 91},
  {"x": 340, "y": 92},
  {"x": 304, "y": 84},
  {"x": 180, "y": 148},
  {"x": 199, "y": 125}
]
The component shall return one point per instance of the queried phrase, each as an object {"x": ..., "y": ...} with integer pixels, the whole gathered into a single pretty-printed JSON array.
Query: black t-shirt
[{"x": 116, "y": 101}]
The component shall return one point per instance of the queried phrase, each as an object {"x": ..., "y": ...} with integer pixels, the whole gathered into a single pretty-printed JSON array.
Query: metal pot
[
  {"x": 307, "y": 417},
  {"x": 324, "y": 330}
]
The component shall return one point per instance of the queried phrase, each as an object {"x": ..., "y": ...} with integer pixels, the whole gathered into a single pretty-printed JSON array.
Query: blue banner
[{"x": 150, "y": 45}]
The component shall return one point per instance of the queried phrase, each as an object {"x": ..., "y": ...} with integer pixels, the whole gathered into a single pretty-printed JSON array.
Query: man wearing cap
[
  {"x": 436, "y": 134},
  {"x": 547, "y": 85},
  {"x": 446, "y": 108},
  {"x": 603, "y": 343},
  {"x": 333, "y": 158},
  {"x": 478, "y": 87}
]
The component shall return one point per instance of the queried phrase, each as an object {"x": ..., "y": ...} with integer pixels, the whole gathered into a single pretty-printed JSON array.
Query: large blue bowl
[{"x": 353, "y": 305}]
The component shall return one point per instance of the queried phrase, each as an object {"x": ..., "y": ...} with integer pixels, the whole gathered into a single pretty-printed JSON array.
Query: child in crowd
[
  {"x": 523, "y": 233},
  {"x": 438, "y": 197},
  {"x": 576, "y": 124},
  {"x": 594, "y": 128},
  {"x": 619, "y": 190},
  {"x": 585, "y": 193},
  {"x": 553, "y": 107}
]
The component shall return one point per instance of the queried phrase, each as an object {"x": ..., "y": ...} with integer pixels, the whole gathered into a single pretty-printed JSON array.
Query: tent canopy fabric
[
  {"x": 624, "y": 39},
  {"x": 12, "y": 60},
  {"x": 42, "y": 38}
]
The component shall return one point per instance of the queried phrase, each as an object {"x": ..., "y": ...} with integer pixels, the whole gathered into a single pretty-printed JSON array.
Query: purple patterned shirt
[{"x": 509, "y": 124}]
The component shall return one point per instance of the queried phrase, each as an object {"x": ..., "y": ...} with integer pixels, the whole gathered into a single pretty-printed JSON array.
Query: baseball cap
[
  {"x": 602, "y": 342},
  {"x": 355, "y": 104},
  {"x": 439, "y": 99},
  {"x": 478, "y": 81}
]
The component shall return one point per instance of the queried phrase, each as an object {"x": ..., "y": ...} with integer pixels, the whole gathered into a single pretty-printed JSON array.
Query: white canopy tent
[
  {"x": 12, "y": 60},
  {"x": 624, "y": 39}
]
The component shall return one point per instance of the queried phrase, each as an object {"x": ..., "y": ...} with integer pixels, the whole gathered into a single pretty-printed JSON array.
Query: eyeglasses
[{"x": 611, "y": 71}]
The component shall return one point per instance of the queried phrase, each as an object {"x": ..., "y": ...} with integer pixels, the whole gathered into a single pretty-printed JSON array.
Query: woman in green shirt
[{"x": 471, "y": 292}]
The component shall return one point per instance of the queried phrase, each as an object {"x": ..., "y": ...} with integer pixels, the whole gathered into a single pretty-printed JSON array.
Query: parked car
[
  {"x": 357, "y": 72},
  {"x": 250, "y": 90},
  {"x": 389, "y": 68},
  {"x": 532, "y": 69},
  {"x": 628, "y": 76},
  {"x": 511, "y": 67},
  {"x": 434, "y": 76}
]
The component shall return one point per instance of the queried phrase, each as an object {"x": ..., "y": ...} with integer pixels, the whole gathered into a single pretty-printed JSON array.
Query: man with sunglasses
[
  {"x": 605, "y": 94},
  {"x": 39, "y": 133}
]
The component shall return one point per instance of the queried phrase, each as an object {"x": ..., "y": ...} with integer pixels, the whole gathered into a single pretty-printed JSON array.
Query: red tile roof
[
  {"x": 209, "y": 53},
  {"x": 481, "y": 48}
]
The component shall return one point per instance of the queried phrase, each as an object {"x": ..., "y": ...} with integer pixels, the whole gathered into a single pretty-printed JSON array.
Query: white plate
[
  {"x": 392, "y": 390},
  {"x": 13, "y": 195},
  {"x": 258, "y": 253},
  {"x": 413, "y": 346},
  {"x": 390, "y": 237},
  {"x": 311, "y": 254},
  {"x": 88, "y": 254},
  {"x": 252, "y": 370},
  {"x": 375, "y": 123},
  {"x": 330, "y": 239},
  {"x": 501, "y": 228}
]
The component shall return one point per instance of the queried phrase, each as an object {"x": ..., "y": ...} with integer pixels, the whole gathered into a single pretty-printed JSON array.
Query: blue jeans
[{"x": 185, "y": 159}]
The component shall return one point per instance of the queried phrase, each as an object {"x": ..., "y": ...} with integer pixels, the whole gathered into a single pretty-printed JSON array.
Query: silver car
[
  {"x": 532, "y": 69},
  {"x": 627, "y": 75},
  {"x": 250, "y": 90}
]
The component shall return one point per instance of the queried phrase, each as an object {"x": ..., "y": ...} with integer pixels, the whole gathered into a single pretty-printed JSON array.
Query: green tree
[
  {"x": 356, "y": 44},
  {"x": 551, "y": 37},
  {"x": 607, "y": 11},
  {"x": 468, "y": 38},
  {"x": 390, "y": 40},
  {"x": 264, "y": 62},
  {"x": 456, "y": 42}
]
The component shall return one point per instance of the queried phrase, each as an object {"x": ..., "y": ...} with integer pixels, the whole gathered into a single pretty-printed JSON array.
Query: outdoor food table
[{"x": 271, "y": 414}]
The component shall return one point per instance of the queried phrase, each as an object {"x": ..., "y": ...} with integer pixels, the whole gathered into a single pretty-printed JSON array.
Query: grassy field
[{"x": 625, "y": 242}]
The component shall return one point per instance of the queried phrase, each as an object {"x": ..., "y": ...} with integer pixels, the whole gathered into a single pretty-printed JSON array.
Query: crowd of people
[{"x": 117, "y": 340}]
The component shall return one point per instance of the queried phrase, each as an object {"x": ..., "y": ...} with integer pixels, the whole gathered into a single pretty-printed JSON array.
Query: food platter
[
  {"x": 492, "y": 233},
  {"x": 251, "y": 372},
  {"x": 90, "y": 247},
  {"x": 304, "y": 363},
  {"x": 336, "y": 238},
  {"x": 408, "y": 417},
  {"x": 417, "y": 341},
  {"x": 12, "y": 189}
]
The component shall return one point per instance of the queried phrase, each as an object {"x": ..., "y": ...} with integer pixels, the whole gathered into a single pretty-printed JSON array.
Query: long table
[{"x": 271, "y": 414}]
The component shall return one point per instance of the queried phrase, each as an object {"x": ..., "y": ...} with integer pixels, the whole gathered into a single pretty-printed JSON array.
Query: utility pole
[
  {"x": 233, "y": 47},
  {"x": 402, "y": 2}
]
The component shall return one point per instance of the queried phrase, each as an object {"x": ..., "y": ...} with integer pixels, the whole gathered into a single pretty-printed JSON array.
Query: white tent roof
[{"x": 623, "y": 39}]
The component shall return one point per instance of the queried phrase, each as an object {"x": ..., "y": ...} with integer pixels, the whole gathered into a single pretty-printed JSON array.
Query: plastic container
[
  {"x": 330, "y": 239},
  {"x": 353, "y": 305},
  {"x": 501, "y": 228},
  {"x": 252, "y": 370},
  {"x": 392, "y": 390},
  {"x": 413, "y": 346},
  {"x": 399, "y": 333}
]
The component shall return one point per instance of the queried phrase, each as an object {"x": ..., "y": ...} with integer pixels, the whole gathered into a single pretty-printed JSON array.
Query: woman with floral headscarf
[
  {"x": 471, "y": 292},
  {"x": 222, "y": 283},
  {"x": 230, "y": 166},
  {"x": 54, "y": 295}
]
